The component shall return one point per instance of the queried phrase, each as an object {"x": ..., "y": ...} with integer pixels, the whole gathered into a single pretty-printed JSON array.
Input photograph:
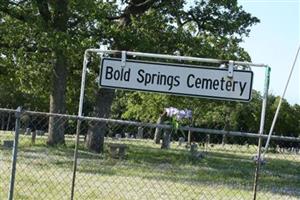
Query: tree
[
  {"x": 46, "y": 36},
  {"x": 206, "y": 29}
]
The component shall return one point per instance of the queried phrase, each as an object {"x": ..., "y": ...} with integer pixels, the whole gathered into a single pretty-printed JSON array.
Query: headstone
[
  {"x": 194, "y": 148},
  {"x": 8, "y": 143},
  {"x": 195, "y": 153},
  {"x": 33, "y": 136},
  {"x": 40, "y": 132},
  {"x": 181, "y": 141},
  {"x": 117, "y": 150},
  {"x": 127, "y": 135},
  {"x": 140, "y": 133},
  {"x": 166, "y": 139},
  {"x": 118, "y": 136},
  {"x": 28, "y": 131}
]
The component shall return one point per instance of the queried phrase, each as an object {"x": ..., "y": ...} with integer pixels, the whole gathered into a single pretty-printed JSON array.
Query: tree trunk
[
  {"x": 157, "y": 134},
  {"x": 60, "y": 17},
  {"x": 105, "y": 97},
  {"x": 166, "y": 139},
  {"x": 95, "y": 135},
  {"x": 57, "y": 100}
]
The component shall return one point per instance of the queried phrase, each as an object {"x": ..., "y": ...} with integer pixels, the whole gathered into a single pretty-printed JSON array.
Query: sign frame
[{"x": 180, "y": 66}]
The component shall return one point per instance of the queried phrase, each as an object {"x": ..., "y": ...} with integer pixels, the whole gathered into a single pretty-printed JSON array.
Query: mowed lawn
[{"x": 147, "y": 172}]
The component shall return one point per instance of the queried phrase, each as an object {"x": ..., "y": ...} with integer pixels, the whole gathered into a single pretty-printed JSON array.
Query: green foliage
[
  {"x": 212, "y": 113},
  {"x": 31, "y": 35}
]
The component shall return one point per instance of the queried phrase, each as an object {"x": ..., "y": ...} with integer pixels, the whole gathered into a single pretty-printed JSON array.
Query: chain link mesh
[{"x": 133, "y": 166}]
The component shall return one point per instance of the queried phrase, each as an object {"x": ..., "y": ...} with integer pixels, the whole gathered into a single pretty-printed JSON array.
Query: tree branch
[
  {"x": 141, "y": 4},
  {"x": 44, "y": 11},
  {"x": 114, "y": 17},
  {"x": 31, "y": 48},
  {"x": 18, "y": 3},
  {"x": 60, "y": 15},
  {"x": 14, "y": 14},
  {"x": 197, "y": 22},
  {"x": 133, "y": 9},
  {"x": 14, "y": 10}
]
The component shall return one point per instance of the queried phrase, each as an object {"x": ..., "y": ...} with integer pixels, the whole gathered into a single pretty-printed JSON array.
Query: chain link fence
[{"x": 212, "y": 165}]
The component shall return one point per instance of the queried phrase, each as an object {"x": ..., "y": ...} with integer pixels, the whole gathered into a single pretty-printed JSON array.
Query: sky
[{"x": 274, "y": 41}]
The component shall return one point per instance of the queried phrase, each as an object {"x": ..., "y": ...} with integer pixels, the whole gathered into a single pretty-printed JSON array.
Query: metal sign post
[
  {"x": 231, "y": 73},
  {"x": 261, "y": 130}
]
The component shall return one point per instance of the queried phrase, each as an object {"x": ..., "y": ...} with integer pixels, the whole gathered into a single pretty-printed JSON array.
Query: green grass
[{"x": 147, "y": 172}]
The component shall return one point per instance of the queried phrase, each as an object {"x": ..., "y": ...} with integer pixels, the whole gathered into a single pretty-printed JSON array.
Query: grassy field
[{"x": 147, "y": 172}]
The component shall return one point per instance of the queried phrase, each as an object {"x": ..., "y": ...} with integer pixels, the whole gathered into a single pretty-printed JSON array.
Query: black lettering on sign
[
  {"x": 118, "y": 75},
  {"x": 189, "y": 80},
  {"x": 158, "y": 79},
  {"x": 108, "y": 73},
  {"x": 215, "y": 84},
  {"x": 140, "y": 79}
]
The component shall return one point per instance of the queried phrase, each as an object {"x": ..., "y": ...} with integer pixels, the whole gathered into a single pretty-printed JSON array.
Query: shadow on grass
[{"x": 176, "y": 165}]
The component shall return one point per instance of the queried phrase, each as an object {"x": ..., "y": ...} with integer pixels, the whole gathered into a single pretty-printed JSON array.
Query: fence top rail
[
  {"x": 173, "y": 57},
  {"x": 152, "y": 125},
  {"x": 7, "y": 110}
]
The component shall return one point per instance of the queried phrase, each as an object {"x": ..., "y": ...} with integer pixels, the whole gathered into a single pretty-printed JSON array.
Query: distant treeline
[{"x": 212, "y": 114}]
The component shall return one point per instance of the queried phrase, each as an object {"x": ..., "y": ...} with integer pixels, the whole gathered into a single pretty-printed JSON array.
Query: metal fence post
[
  {"x": 80, "y": 107},
  {"x": 14, "y": 156},
  {"x": 261, "y": 130},
  {"x": 75, "y": 158}
]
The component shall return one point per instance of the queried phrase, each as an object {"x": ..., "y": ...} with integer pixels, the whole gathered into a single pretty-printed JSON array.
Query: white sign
[{"x": 196, "y": 81}]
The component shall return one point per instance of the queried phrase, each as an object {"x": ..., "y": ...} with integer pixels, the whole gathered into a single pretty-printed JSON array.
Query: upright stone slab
[
  {"x": 194, "y": 148},
  {"x": 194, "y": 151},
  {"x": 140, "y": 134},
  {"x": 28, "y": 131},
  {"x": 33, "y": 136},
  {"x": 118, "y": 136},
  {"x": 40, "y": 132},
  {"x": 166, "y": 139},
  {"x": 127, "y": 135},
  {"x": 181, "y": 140}
]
